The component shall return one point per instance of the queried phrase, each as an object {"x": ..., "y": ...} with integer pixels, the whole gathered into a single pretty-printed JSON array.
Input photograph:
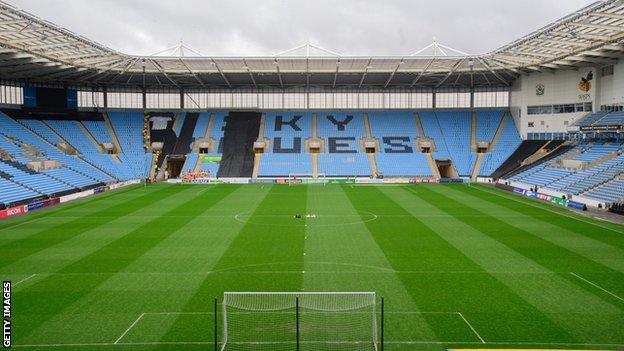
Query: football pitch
[{"x": 458, "y": 266}]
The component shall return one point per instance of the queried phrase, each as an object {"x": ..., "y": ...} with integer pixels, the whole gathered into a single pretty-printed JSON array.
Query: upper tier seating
[
  {"x": 603, "y": 118},
  {"x": 487, "y": 124},
  {"x": 613, "y": 118},
  {"x": 202, "y": 125},
  {"x": 287, "y": 133},
  {"x": 506, "y": 145},
  {"x": 398, "y": 155},
  {"x": 342, "y": 155},
  {"x": 129, "y": 129},
  {"x": 99, "y": 131},
  {"x": 451, "y": 131}
]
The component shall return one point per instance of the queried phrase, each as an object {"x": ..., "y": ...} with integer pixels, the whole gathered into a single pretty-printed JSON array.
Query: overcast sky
[{"x": 266, "y": 27}]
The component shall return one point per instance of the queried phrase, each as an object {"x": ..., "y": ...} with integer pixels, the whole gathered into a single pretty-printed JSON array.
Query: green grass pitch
[{"x": 459, "y": 266}]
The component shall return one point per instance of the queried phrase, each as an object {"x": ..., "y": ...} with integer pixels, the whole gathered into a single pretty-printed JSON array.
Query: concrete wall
[
  {"x": 559, "y": 87},
  {"x": 562, "y": 87}
]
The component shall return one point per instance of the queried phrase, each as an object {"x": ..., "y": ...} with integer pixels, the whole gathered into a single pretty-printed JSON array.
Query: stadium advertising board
[
  {"x": 577, "y": 205},
  {"x": 262, "y": 181},
  {"x": 13, "y": 211},
  {"x": 204, "y": 181},
  {"x": 123, "y": 184},
  {"x": 75, "y": 196},
  {"x": 422, "y": 180},
  {"x": 559, "y": 201},
  {"x": 43, "y": 204},
  {"x": 519, "y": 191},
  {"x": 539, "y": 196}
]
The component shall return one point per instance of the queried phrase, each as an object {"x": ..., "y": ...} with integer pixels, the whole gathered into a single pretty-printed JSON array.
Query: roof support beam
[
  {"x": 608, "y": 15},
  {"x": 609, "y": 27},
  {"x": 393, "y": 73},
  {"x": 253, "y": 80},
  {"x": 422, "y": 73},
  {"x": 493, "y": 72},
  {"x": 455, "y": 67},
  {"x": 220, "y": 72},
  {"x": 336, "y": 73},
  {"x": 365, "y": 72},
  {"x": 279, "y": 73}
]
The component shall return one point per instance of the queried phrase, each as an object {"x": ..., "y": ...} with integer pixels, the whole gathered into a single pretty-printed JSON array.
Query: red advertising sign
[{"x": 13, "y": 211}]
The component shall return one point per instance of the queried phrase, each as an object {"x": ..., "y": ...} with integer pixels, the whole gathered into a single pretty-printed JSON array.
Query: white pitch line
[
  {"x": 25, "y": 279},
  {"x": 471, "y": 327},
  {"x": 130, "y": 327},
  {"x": 597, "y": 286}
]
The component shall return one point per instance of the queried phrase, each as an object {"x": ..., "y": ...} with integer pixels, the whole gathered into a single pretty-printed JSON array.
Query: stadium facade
[{"x": 541, "y": 113}]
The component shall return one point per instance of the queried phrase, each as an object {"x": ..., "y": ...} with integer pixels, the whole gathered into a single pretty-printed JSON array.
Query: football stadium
[{"x": 310, "y": 200}]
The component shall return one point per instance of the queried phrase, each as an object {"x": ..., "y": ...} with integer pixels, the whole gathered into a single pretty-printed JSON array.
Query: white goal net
[{"x": 329, "y": 321}]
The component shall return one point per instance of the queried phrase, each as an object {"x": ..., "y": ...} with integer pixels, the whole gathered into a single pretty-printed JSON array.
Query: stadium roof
[{"x": 35, "y": 50}]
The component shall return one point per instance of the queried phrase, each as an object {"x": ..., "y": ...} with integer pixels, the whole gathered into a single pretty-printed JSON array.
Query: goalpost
[
  {"x": 306, "y": 178},
  {"x": 299, "y": 321}
]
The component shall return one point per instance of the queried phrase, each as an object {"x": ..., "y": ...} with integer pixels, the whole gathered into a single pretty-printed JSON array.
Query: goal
[
  {"x": 306, "y": 178},
  {"x": 338, "y": 321}
]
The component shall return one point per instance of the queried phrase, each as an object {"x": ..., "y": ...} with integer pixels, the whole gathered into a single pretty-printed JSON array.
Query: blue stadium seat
[{"x": 398, "y": 156}]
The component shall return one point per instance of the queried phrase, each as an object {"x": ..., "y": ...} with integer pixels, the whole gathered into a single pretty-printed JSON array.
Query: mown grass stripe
[
  {"x": 41, "y": 214},
  {"x": 605, "y": 257},
  {"x": 48, "y": 297},
  {"x": 255, "y": 248},
  {"x": 572, "y": 224},
  {"x": 545, "y": 254},
  {"x": 349, "y": 245},
  {"x": 18, "y": 249},
  {"x": 485, "y": 299}
]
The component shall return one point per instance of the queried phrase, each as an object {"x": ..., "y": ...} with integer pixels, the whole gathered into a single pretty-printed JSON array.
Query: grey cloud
[{"x": 252, "y": 27}]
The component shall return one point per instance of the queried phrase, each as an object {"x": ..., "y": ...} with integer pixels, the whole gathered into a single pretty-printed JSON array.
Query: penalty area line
[
  {"x": 597, "y": 286},
  {"x": 25, "y": 279},
  {"x": 130, "y": 327},
  {"x": 471, "y": 327}
]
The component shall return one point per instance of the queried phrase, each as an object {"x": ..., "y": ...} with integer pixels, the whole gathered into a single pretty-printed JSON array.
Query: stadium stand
[
  {"x": 218, "y": 128},
  {"x": 398, "y": 155},
  {"x": 523, "y": 151},
  {"x": 602, "y": 118},
  {"x": 87, "y": 173},
  {"x": 451, "y": 132},
  {"x": 505, "y": 146},
  {"x": 287, "y": 134},
  {"x": 487, "y": 124},
  {"x": 597, "y": 181},
  {"x": 342, "y": 155},
  {"x": 128, "y": 126},
  {"x": 99, "y": 131}
]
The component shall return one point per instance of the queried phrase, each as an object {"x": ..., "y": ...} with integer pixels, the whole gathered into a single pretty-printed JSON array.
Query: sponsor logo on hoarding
[
  {"x": 519, "y": 191},
  {"x": 13, "y": 211}
]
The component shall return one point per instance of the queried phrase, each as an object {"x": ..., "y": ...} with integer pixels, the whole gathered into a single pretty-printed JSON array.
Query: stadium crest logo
[
  {"x": 540, "y": 89},
  {"x": 584, "y": 85}
]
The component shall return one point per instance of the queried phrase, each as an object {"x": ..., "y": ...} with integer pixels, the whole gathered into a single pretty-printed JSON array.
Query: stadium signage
[
  {"x": 6, "y": 314},
  {"x": 43, "y": 204},
  {"x": 13, "y": 211}
]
